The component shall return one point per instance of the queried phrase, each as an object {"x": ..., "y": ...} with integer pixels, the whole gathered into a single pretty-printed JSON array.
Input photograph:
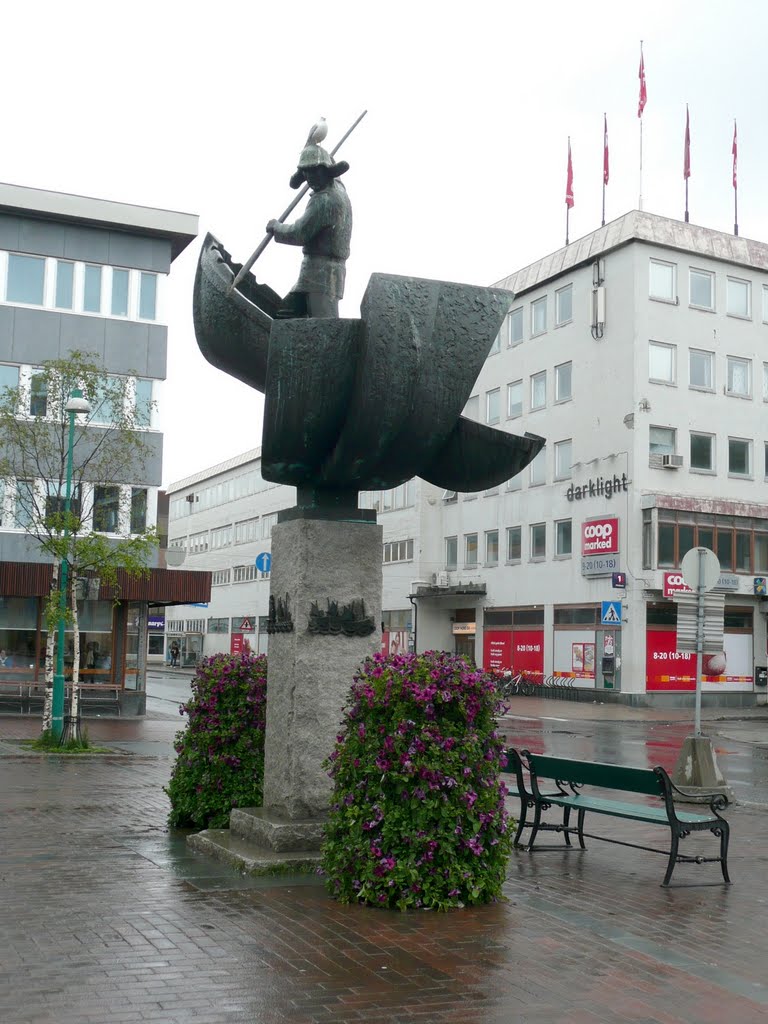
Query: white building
[{"x": 640, "y": 353}]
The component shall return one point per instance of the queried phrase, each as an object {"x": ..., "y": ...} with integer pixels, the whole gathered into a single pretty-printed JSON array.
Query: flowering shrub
[
  {"x": 417, "y": 816},
  {"x": 220, "y": 762}
]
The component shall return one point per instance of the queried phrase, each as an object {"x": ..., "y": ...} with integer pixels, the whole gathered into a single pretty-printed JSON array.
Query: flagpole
[
  {"x": 687, "y": 158},
  {"x": 605, "y": 153},
  {"x": 640, "y": 202},
  {"x": 734, "y": 150},
  {"x": 640, "y": 108},
  {"x": 568, "y": 193}
]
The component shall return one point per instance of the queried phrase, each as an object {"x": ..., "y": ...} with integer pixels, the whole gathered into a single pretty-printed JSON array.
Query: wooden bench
[{"x": 570, "y": 778}]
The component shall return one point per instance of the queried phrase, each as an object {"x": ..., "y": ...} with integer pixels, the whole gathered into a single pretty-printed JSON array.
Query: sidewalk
[{"x": 108, "y": 919}]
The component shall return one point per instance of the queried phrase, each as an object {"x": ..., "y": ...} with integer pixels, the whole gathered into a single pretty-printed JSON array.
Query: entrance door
[{"x": 465, "y": 647}]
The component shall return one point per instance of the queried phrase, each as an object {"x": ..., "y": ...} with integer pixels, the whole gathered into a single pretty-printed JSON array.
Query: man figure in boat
[{"x": 323, "y": 231}]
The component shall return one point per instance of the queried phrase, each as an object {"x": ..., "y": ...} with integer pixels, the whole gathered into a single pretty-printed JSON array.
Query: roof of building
[
  {"x": 179, "y": 228},
  {"x": 639, "y": 226},
  {"x": 222, "y": 467}
]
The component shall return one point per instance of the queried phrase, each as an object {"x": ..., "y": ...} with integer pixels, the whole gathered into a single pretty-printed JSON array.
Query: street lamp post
[{"x": 75, "y": 405}]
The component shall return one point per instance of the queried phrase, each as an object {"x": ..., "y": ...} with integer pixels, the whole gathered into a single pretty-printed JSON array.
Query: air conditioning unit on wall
[
  {"x": 671, "y": 461},
  {"x": 441, "y": 579}
]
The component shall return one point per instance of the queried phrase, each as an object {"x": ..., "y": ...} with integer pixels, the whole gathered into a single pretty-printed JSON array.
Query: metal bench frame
[{"x": 571, "y": 776}]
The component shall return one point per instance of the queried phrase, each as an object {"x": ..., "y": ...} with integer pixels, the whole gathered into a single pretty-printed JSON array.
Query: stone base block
[
  {"x": 698, "y": 772},
  {"x": 276, "y": 833},
  {"x": 240, "y": 853}
]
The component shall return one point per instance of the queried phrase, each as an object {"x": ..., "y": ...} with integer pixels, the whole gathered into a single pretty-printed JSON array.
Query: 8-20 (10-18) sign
[{"x": 600, "y": 536}]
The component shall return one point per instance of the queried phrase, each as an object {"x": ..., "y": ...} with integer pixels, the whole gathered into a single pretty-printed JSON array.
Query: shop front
[{"x": 513, "y": 641}]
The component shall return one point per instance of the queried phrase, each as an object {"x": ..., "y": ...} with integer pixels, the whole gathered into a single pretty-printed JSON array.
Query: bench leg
[
  {"x": 672, "y": 858},
  {"x": 581, "y": 829},
  {"x": 724, "y": 832},
  {"x": 521, "y": 822},
  {"x": 566, "y": 823},
  {"x": 534, "y": 827}
]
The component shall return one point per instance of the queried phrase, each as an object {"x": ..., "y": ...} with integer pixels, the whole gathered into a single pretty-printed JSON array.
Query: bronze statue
[{"x": 323, "y": 232}]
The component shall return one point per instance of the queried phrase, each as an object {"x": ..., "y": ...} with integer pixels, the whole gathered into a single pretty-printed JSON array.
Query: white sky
[{"x": 457, "y": 172}]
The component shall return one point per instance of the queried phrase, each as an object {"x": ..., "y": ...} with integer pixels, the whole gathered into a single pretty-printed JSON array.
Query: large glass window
[
  {"x": 451, "y": 553},
  {"x": 492, "y": 547},
  {"x": 538, "y": 390},
  {"x": 138, "y": 509},
  {"x": 737, "y": 297},
  {"x": 9, "y": 378},
  {"x": 492, "y": 405},
  {"x": 472, "y": 408},
  {"x": 470, "y": 549},
  {"x": 538, "y": 540},
  {"x": 739, "y": 377},
  {"x": 24, "y": 510},
  {"x": 92, "y": 289},
  {"x": 563, "y": 460},
  {"x": 563, "y": 385},
  {"x": 701, "y": 369},
  {"x": 703, "y": 452},
  {"x": 106, "y": 509},
  {"x": 739, "y": 456},
  {"x": 515, "y": 327},
  {"x": 56, "y": 498},
  {"x": 38, "y": 395},
  {"x": 662, "y": 281},
  {"x": 661, "y": 362},
  {"x": 563, "y": 538},
  {"x": 247, "y": 530},
  {"x": 65, "y": 284},
  {"x": 515, "y": 399},
  {"x": 564, "y": 305},
  {"x": 26, "y": 279},
  {"x": 702, "y": 289},
  {"x": 120, "y": 281},
  {"x": 539, "y": 316},
  {"x": 143, "y": 402},
  {"x": 105, "y": 407},
  {"x": 148, "y": 297},
  {"x": 538, "y": 469},
  {"x": 18, "y": 637},
  {"x": 514, "y": 543},
  {"x": 661, "y": 441}
]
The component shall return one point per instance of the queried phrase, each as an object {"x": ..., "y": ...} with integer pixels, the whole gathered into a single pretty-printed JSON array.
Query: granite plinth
[{"x": 271, "y": 832}]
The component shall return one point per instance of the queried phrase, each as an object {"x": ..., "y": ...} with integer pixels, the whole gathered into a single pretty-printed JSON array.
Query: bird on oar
[{"x": 317, "y": 133}]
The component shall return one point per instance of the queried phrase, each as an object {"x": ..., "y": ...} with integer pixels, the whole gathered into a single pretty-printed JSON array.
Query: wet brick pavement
[{"x": 104, "y": 917}]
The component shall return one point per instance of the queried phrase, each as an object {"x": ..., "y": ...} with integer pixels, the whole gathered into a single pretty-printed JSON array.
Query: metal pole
[
  {"x": 699, "y": 641},
  {"x": 57, "y": 717}
]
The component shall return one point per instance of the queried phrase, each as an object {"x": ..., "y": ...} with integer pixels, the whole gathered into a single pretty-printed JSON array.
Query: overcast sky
[{"x": 457, "y": 172}]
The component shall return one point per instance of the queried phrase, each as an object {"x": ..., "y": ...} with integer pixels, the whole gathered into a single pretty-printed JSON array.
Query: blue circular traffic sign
[{"x": 264, "y": 561}]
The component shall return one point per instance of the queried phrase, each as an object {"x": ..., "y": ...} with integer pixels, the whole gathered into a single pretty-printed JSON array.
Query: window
[
  {"x": 451, "y": 553},
  {"x": 515, "y": 483},
  {"x": 737, "y": 297},
  {"x": 398, "y": 551},
  {"x": 662, "y": 281},
  {"x": 662, "y": 441},
  {"x": 25, "y": 504},
  {"x": 661, "y": 362},
  {"x": 26, "y": 279},
  {"x": 143, "y": 402},
  {"x": 538, "y": 469},
  {"x": 218, "y": 625},
  {"x": 244, "y": 573},
  {"x": 538, "y": 541},
  {"x": 246, "y": 531},
  {"x": 92, "y": 289},
  {"x": 514, "y": 325},
  {"x": 148, "y": 297},
  {"x": 138, "y": 509},
  {"x": 38, "y": 395},
  {"x": 765, "y": 303},
  {"x": 563, "y": 377},
  {"x": 106, "y": 509},
  {"x": 120, "y": 279},
  {"x": 703, "y": 452},
  {"x": 472, "y": 408},
  {"x": 267, "y": 522},
  {"x": 740, "y": 543},
  {"x": 221, "y": 577},
  {"x": 514, "y": 543},
  {"x": 739, "y": 456},
  {"x": 104, "y": 409},
  {"x": 701, "y": 369},
  {"x": 492, "y": 405},
  {"x": 538, "y": 390},
  {"x": 221, "y": 537},
  {"x": 563, "y": 458},
  {"x": 55, "y": 498},
  {"x": 515, "y": 399},
  {"x": 539, "y": 316},
  {"x": 198, "y": 543},
  {"x": 492, "y": 547},
  {"x": 739, "y": 380},
  {"x": 9, "y": 378},
  {"x": 702, "y": 289},
  {"x": 563, "y": 541},
  {"x": 194, "y": 625},
  {"x": 495, "y": 347},
  {"x": 470, "y": 549},
  {"x": 65, "y": 284},
  {"x": 564, "y": 305}
]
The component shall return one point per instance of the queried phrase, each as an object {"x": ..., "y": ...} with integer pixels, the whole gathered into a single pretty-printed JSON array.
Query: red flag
[
  {"x": 605, "y": 150},
  {"x": 569, "y": 180},
  {"x": 643, "y": 91},
  {"x": 687, "y": 152},
  {"x": 735, "y": 151}
]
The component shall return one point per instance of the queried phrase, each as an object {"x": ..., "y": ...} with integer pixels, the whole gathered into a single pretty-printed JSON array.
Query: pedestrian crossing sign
[{"x": 611, "y": 613}]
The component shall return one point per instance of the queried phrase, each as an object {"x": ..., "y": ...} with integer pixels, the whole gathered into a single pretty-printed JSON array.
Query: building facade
[
  {"x": 79, "y": 273},
  {"x": 640, "y": 353}
]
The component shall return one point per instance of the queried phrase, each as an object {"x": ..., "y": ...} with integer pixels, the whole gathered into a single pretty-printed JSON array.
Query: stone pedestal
[
  {"x": 315, "y": 562},
  {"x": 698, "y": 772}
]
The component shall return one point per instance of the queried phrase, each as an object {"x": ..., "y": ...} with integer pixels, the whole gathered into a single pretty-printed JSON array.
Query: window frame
[
  {"x": 514, "y": 384},
  {"x": 699, "y": 434},
  {"x": 711, "y": 360},
  {"x": 534, "y": 378},
  {"x": 656, "y": 451},
  {"x": 560, "y": 321},
  {"x": 514, "y": 532},
  {"x": 710, "y": 276},
  {"x": 537, "y": 530},
  {"x": 673, "y": 297},
  {"x": 489, "y": 535},
  {"x": 559, "y": 472},
  {"x": 747, "y": 286},
  {"x": 537, "y": 304},
  {"x": 514, "y": 315},
  {"x": 569, "y": 397},
  {"x": 467, "y": 563},
  {"x": 747, "y": 442},
  {"x": 672, "y": 350},
  {"x": 559, "y": 537},
  {"x": 731, "y": 362},
  {"x": 493, "y": 397}
]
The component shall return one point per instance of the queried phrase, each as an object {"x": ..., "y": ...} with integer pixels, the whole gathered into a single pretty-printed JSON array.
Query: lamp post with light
[{"x": 75, "y": 405}]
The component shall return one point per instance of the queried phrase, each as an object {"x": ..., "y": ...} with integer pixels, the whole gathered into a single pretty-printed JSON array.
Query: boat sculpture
[{"x": 368, "y": 403}]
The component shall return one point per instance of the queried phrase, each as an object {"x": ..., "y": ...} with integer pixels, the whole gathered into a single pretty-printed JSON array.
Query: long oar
[{"x": 268, "y": 237}]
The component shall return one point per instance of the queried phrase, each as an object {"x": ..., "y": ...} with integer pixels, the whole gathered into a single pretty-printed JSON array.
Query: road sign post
[{"x": 701, "y": 569}]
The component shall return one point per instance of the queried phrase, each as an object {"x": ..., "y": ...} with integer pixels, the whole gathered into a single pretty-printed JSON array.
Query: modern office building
[
  {"x": 639, "y": 352},
  {"x": 86, "y": 274}
]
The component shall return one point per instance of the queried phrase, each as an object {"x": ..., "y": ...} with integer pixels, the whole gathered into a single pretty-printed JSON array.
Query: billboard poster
[
  {"x": 600, "y": 536},
  {"x": 497, "y": 651},
  {"x": 528, "y": 652}
]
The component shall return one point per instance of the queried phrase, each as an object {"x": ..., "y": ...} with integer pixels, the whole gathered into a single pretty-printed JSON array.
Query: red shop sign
[
  {"x": 528, "y": 651},
  {"x": 600, "y": 537},
  {"x": 675, "y": 584},
  {"x": 497, "y": 651}
]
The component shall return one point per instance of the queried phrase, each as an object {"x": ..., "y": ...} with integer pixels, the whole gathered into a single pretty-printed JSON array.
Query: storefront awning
[{"x": 160, "y": 586}]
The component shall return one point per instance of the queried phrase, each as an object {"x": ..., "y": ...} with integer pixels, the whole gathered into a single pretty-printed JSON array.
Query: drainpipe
[{"x": 415, "y": 607}]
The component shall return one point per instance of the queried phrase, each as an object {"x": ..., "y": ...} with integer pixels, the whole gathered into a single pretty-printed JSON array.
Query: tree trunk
[{"x": 49, "y": 666}]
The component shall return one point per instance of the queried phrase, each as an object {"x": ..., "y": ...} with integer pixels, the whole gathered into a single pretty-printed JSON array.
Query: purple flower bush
[
  {"x": 417, "y": 816},
  {"x": 220, "y": 763}
]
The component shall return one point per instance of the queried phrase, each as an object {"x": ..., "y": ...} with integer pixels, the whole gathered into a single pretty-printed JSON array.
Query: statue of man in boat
[{"x": 324, "y": 232}]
